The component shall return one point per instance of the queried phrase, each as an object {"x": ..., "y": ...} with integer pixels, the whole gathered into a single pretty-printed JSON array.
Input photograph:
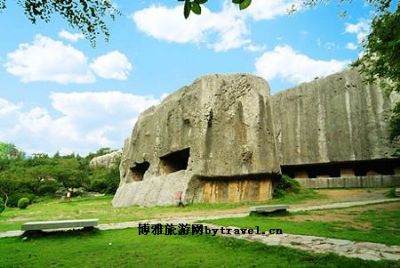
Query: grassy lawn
[
  {"x": 125, "y": 248},
  {"x": 373, "y": 223},
  {"x": 100, "y": 207}
]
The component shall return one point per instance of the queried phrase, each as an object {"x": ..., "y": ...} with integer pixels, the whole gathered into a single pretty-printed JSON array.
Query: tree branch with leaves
[
  {"x": 195, "y": 6},
  {"x": 88, "y": 16}
]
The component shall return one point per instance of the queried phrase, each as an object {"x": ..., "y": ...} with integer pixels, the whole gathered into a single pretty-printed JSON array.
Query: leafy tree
[
  {"x": 14, "y": 184},
  {"x": 381, "y": 59},
  {"x": 89, "y": 16},
  {"x": 48, "y": 187},
  {"x": 42, "y": 175},
  {"x": 68, "y": 173},
  {"x": 104, "y": 180},
  {"x": 9, "y": 151}
]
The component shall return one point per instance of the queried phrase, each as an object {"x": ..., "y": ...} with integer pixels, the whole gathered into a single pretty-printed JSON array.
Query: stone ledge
[
  {"x": 269, "y": 209},
  {"x": 42, "y": 225}
]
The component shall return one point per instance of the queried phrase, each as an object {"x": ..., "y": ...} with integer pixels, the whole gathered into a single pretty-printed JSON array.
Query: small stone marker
[
  {"x": 42, "y": 225},
  {"x": 269, "y": 209}
]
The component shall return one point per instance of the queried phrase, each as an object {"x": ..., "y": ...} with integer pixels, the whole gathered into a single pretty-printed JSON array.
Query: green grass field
[
  {"x": 125, "y": 248},
  {"x": 101, "y": 208},
  {"x": 374, "y": 223}
]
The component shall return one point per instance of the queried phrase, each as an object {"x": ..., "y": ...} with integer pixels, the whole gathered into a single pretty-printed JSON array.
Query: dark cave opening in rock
[
  {"x": 138, "y": 170},
  {"x": 174, "y": 161}
]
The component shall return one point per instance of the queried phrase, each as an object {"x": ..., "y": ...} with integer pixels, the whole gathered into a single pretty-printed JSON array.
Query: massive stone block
[
  {"x": 108, "y": 160},
  {"x": 213, "y": 141},
  {"x": 225, "y": 139},
  {"x": 334, "y": 119}
]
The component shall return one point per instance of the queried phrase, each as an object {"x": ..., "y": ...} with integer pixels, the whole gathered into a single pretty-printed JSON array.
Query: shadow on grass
[
  {"x": 37, "y": 234},
  {"x": 279, "y": 213}
]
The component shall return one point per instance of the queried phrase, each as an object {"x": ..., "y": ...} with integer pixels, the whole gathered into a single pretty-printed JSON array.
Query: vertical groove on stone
[
  {"x": 349, "y": 122},
  {"x": 322, "y": 146}
]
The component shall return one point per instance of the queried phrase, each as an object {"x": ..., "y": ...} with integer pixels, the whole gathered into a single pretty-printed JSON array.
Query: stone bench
[
  {"x": 269, "y": 209},
  {"x": 63, "y": 224}
]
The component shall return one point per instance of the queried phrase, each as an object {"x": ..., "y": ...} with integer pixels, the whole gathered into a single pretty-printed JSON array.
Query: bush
[
  {"x": 2, "y": 205},
  {"x": 23, "y": 202},
  {"x": 14, "y": 197},
  {"x": 286, "y": 185}
]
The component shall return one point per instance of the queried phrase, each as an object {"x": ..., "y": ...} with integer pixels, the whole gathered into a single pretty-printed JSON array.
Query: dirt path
[
  {"x": 333, "y": 196},
  {"x": 235, "y": 213}
]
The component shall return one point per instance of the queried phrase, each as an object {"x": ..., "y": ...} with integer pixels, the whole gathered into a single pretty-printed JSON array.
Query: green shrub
[
  {"x": 23, "y": 202},
  {"x": 286, "y": 185},
  {"x": 14, "y": 197},
  {"x": 2, "y": 205}
]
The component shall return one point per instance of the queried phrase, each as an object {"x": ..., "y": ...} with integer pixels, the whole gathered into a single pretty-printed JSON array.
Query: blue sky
[{"x": 58, "y": 93}]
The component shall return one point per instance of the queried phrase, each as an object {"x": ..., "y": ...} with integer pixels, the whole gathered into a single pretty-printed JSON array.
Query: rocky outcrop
[
  {"x": 224, "y": 138},
  {"x": 204, "y": 141},
  {"x": 337, "y": 118},
  {"x": 107, "y": 160}
]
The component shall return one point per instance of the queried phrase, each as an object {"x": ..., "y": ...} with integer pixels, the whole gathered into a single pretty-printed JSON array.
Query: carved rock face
[
  {"x": 223, "y": 138},
  {"x": 334, "y": 119},
  {"x": 209, "y": 131}
]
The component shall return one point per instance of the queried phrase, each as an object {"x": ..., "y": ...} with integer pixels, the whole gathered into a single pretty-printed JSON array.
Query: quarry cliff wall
[
  {"x": 337, "y": 118},
  {"x": 224, "y": 138},
  {"x": 215, "y": 137}
]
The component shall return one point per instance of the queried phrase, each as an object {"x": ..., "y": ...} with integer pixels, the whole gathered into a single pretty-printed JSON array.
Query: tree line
[{"x": 41, "y": 176}]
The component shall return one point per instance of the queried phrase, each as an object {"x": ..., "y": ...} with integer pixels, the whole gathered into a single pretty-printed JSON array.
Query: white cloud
[
  {"x": 360, "y": 29},
  {"x": 91, "y": 104},
  {"x": 72, "y": 37},
  {"x": 351, "y": 46},
  {"x": 86, "y": 121},
  {"x": 113, "y": 65},
  {"x": 285, "y": 63},
  {"x": 48, "y": 60},
  {"x": 7, "y": 107},
  {"x": 267, "y": 10},
  {"x": 220, "y": 31},
  {"x": 255, "y": 48}
]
